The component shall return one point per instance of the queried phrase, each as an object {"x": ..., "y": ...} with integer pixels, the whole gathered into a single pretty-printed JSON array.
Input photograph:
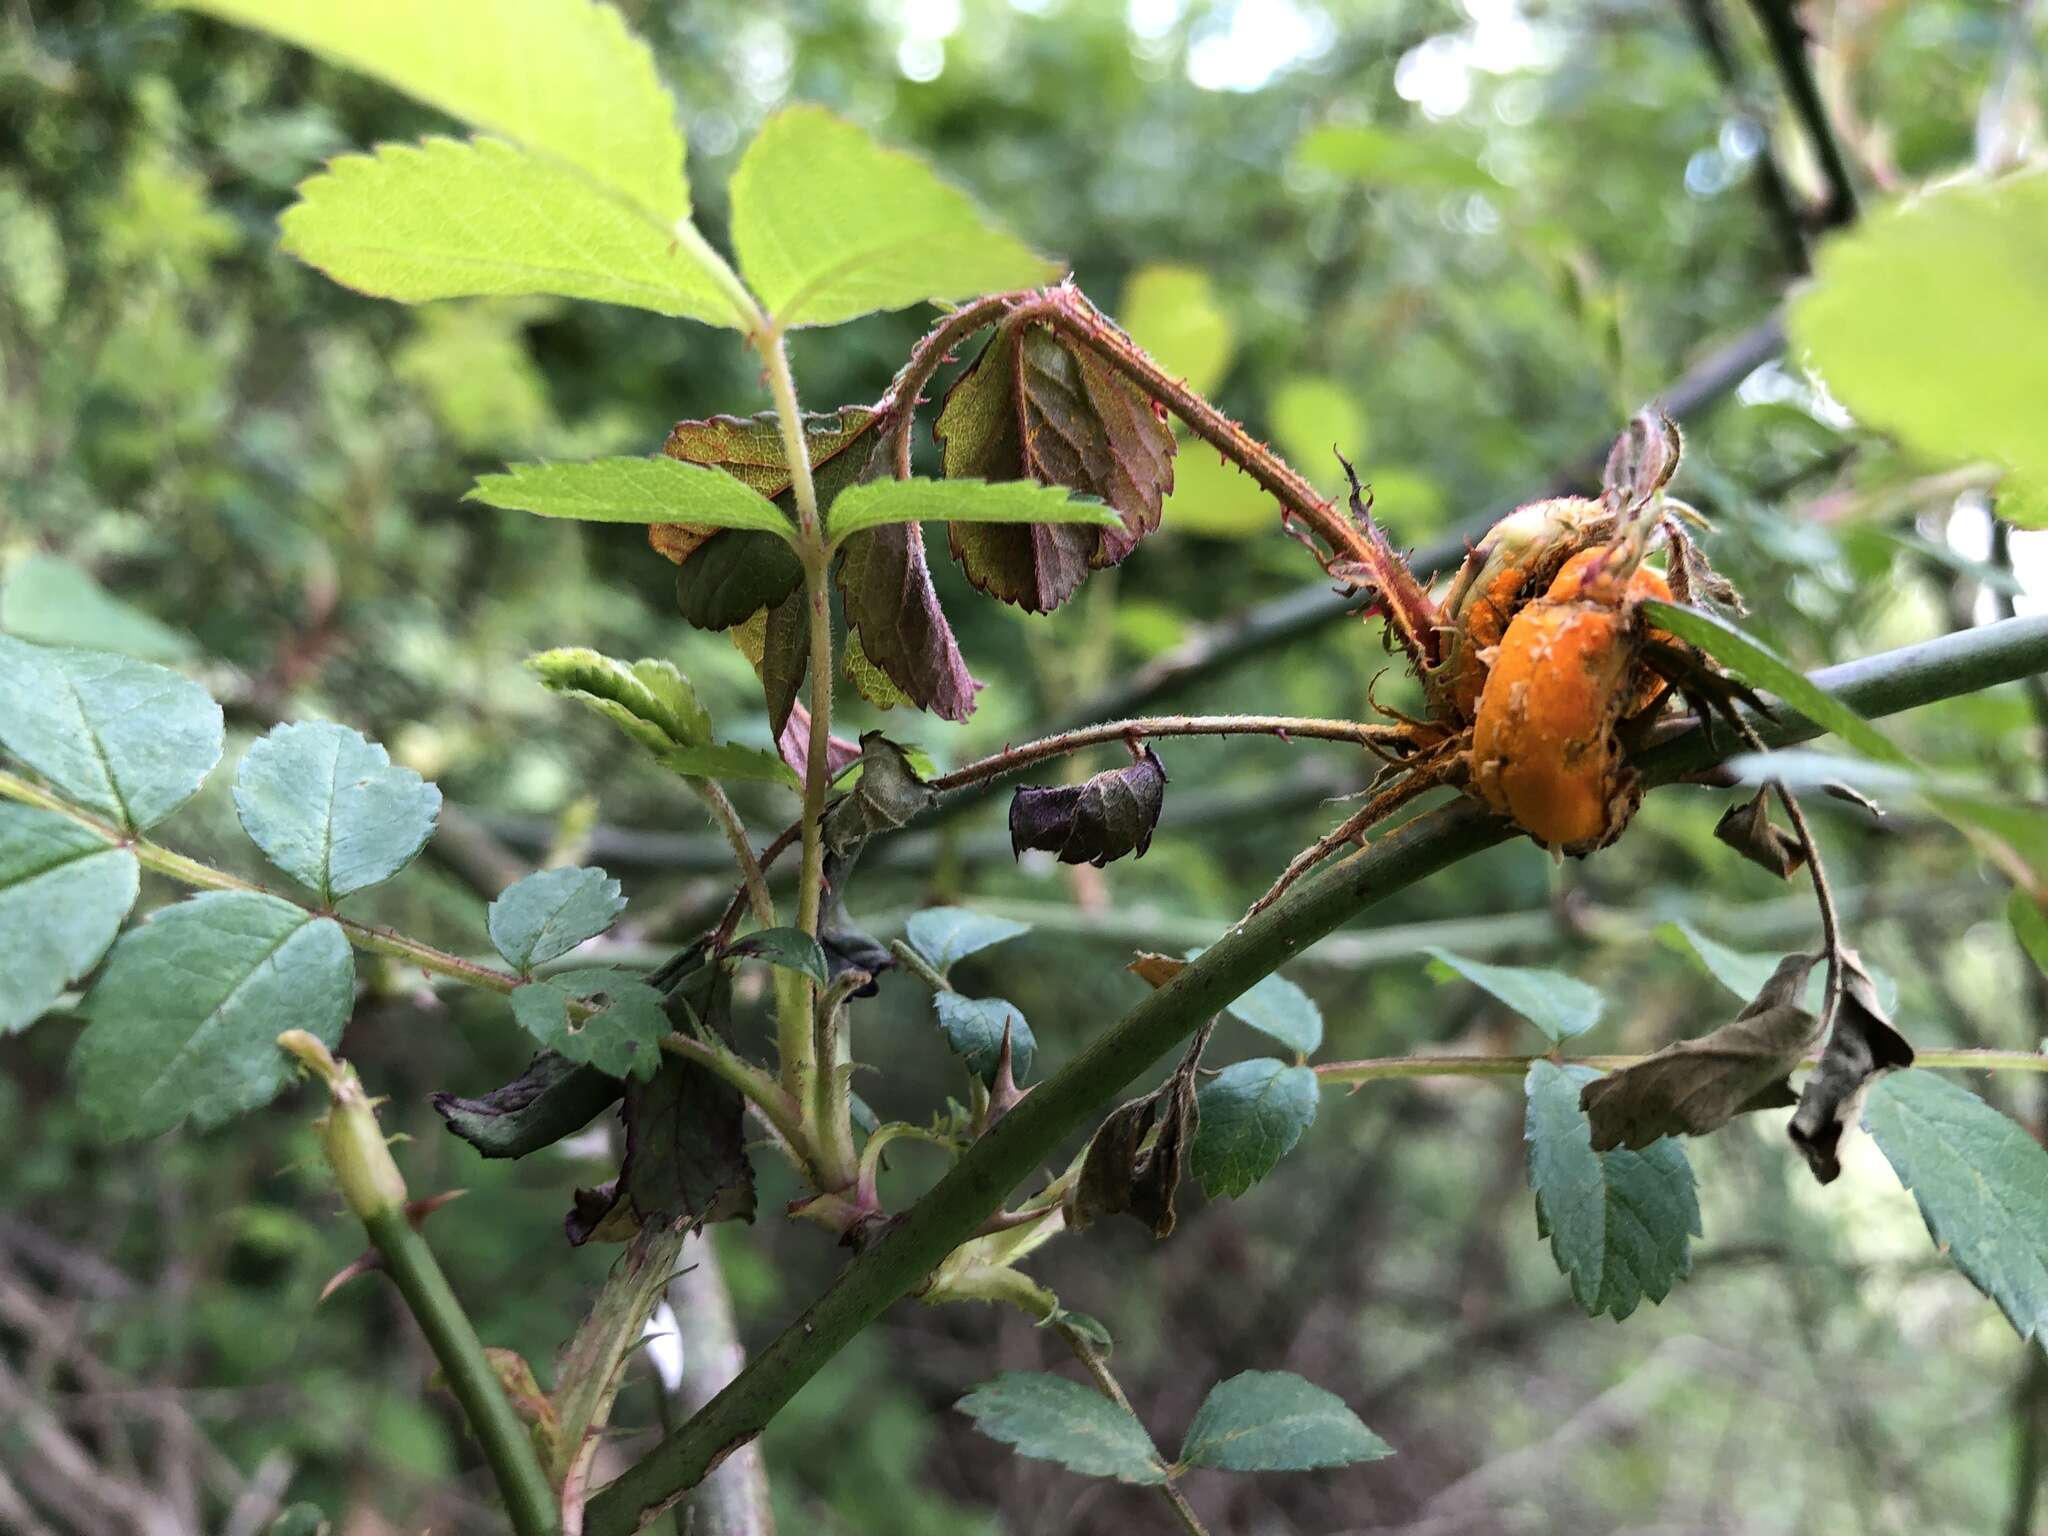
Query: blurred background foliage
[{"x": 1461, "y": 243}]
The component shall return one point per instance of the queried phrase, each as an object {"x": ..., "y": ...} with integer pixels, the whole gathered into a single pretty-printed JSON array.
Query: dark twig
[
  {"x": 1771, "y": 189},
  {"x": 1788, "y": 43}
]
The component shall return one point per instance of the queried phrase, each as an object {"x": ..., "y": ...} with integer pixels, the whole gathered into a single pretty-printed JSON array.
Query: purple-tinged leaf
[
  {"x": 1108, "y": 816},
  {"x": 893, "y": 608}
]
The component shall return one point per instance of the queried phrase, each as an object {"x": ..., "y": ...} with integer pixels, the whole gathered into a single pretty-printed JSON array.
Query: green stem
[
  {"x": 190, "y": 871},
  {"x": 529, "y": 1500},
  {"x": 976, "y": 1186},
  {"x": 728, "y": 819},
  {"x": 1106, "y": 1383},
  {"x": 1380, "y": 1068}
]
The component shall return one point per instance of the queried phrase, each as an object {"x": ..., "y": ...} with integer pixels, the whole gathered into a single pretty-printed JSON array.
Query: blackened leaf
[
  {"x": 1749, "y": 830},
  {"x": 974, "y": 1027},
  {"x": 1861, "y": 1047},
  {"x": 888, "y": 795},
  {"x": 849, "y": 949},
  {"x": 1695, "y": 1086},
  {"x": 1252, "y": 1114},
  {"x": 1621, "y": 1222},
  {"x": 1135, "y": 1162},
  {"x": 1038, "y": 406},
  {"x": 1110, "y": 815},
  {"x": 790, "y": 948},
  {"x": 554, "y": 1097},
  {"x": 785, "y": 657},
  {"x": 621, "y": 1034},
  {"x": 891, "y": 605}
]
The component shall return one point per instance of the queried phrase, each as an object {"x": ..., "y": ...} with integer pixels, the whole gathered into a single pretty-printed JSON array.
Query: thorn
[
  {"x": 368, "y": 1261},
  {"x": 1003, "y": 1095}
]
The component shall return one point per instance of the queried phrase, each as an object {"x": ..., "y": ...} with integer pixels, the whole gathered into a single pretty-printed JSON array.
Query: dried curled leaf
[
  {"x": 1037, "y": 406},
  {"x": 1692, "y": 1087},
  {"x": 1642, "y": 461},
  {"x": 554, "y": 1097},
  {"x": 888, "y": 795},
  {"x": 1094, "y": 822},
  {"x": 893, "y": 610},
  {"x": 1861, "y": 1048},
  {"x": 1135, "y": 1162},
  {"x": 1749, "y": 830}
]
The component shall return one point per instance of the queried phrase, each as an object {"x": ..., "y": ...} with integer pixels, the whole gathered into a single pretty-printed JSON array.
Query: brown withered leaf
[
  {"x": 1695, "y": 1086},
  {"x": 1861, "y": 1048},
  {"x": 1156, "y": 970},
  {"x": 1135, "y": 1161},
  {"x": 1038, "y": 406},
  {"x": 1093, "y": 822},
  {"x": 1749, "y": 830},
  {"x": 892, "y": 606},
  {"x": 888, "y": 795},
  {"x": 728, "y": 575}
]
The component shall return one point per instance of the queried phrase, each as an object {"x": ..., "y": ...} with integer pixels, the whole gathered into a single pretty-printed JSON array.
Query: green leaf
[
  {"x": 729, "y": 760},
  {"x": 1620, "y": 1223},
  {"x": 1277, "y": 1007},
  {"x": 329, "y": 808},
  {"x": 1913, "y": 314},
  {"x": 1744, "y": 972},
  {"x": 1171, "y": 311},
  {"x": 1761, "y": 667},
  {"x": 963, "y": 501},
  {"x": 1250, "y": 1116},
  {"x": 1381, "y": 157},
  {"x": 621, "y": 1038},
  {"x": 63, "y": 895},
  {"x": 647, "y": 699},
  {"x": 129, "y": 740},
  {"x": 944, "y": 935},
  {"x": 1561, "y": 1006},
  {"x": 1981, "y": 1183},
  {"x": 1050, "y": 1418},
  {"x": 53, "y": 602},
  {"x": 444, "y": 220},
  {"x": 2029, "y": 926},
  {"x": 183, "y": 1023},
  {"x": 973, "y": 1027},
  {"x": 565, "y": 77},
  {"x": 790, "y": 948},
  {"x": 1273, "y": 1421},
  {"x": 548, "y": 914},
  {"x": 830, "y": 226},
  {"x": 629, "y": 490}
]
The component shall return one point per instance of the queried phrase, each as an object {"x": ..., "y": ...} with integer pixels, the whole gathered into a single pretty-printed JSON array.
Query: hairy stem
[
  {"x": 1376, "y": 1069},
  {"x": 753, "y": 881},
  {"x": 926, "y": 358},
  {"x": 976, "y": 1186},
  {"x": 1106, "y": 1383}
]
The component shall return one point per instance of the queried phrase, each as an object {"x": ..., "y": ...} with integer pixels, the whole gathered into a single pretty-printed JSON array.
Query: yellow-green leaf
[
  {"x": 830, "y": 225},
  {"x": 446, "y": 220},
  {"x": 963, "y": 501},
  {"x": 564, "y": 77},
  {"x": 626, "y": 490}
]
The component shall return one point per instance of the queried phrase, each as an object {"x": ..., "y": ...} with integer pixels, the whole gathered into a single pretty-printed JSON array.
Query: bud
[{"x": 354, "y": 1143}]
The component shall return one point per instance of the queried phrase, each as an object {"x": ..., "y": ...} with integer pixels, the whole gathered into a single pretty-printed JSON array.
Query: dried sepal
[{"x": 1749, "y": 830}]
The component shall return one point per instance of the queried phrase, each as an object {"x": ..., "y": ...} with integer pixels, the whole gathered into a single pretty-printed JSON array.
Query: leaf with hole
[
  {"x": 1561, "y": 1006},
  {"x": 63, "y": 895},
  {"x": 128, "y": 740},
  {"x": 1981, "y": 1182},
  {"x": 1252, "y": 1114},
  {"x": 330, "y": 809},
  {"x": 445, "y": 219},
  {"x": 604, "y": 1017},
  {"x": 183, "y": 1022},
  {"x": 1620, "y": 1223},
  {"x": 1274, "y": 1421},
  {"x": 550, "y": 912},
  {"x": 1050, "y": 1418},
  {"x": 830, "y": 225}
]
